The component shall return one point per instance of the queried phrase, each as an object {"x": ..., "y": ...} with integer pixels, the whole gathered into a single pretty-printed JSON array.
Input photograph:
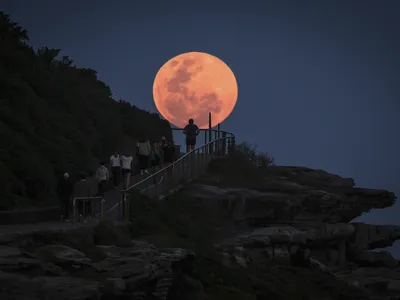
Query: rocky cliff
[
  {"x": 238, "y": 232},
  {"x": 294, "y": 210}
]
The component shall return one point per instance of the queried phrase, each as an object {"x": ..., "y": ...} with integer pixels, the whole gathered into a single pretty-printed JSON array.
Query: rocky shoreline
[{"x": 300, "y": 223}]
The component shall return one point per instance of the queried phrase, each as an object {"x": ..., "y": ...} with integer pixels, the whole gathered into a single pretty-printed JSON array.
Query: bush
[{"x": 257, "y": 158}]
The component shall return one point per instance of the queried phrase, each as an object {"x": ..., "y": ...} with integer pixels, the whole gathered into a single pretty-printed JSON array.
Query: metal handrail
[
  {"x": 222, "y": 145},
  {"x": 175, "y": 162},
  {"x": 208, "y": 133},
  {"x": 207, "y": 130}
]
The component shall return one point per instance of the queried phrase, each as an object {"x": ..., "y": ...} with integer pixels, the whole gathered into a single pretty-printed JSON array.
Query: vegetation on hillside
[
  {"x": 257, "y": 158},
  {"x": 56, "y": 117}
]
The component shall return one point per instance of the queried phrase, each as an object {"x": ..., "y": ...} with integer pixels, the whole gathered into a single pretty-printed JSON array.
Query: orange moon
[{"x": 193, "y": 84}]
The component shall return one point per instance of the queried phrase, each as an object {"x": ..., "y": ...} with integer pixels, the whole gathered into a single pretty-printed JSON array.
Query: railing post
[
  {"x": 218, "y": 138},
  {"x": 192, "y": 163},
  {"x": 205, "y": 140},
  {"x": 155, "y": 184},
  {"x": 197, "y": 162},
  {"x": 224, "y": 143},
  {"x": 74, "y": 211},
  {"x": 102, "y": 209},
  {"x": 126, "y": 204},
  {"x": 83, "y": 210},
  {"x": 122, "y": 210},
  {"x": 209, "y": 132}
]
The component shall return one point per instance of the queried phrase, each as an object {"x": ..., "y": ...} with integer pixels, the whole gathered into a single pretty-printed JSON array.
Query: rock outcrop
[
  {"x": 301, "y": 216},
  {"x": 55, "y": 271},
  {"x": 290, "y": 201},
  {"x": 297, "y": 218}
]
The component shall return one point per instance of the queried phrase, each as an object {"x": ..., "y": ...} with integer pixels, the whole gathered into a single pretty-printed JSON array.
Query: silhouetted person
[
  {"x": 155, "y": 156},
  {"x": 191, "y": 131},
  {"x": 163, "y": 142},
  {"x": 126, "y": 162},
  {"x": 64, "y": 191},
  {"x": 115, "y": 167},
  {"x": 82, "y": 189},
  {"x": 102, "y": 176},
  {"x": 168, "y": 152},
  {"x": 143, "y": 152}
]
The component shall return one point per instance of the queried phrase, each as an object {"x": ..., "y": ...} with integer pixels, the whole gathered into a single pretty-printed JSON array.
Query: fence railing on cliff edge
[{"x": 186, "y": 168}]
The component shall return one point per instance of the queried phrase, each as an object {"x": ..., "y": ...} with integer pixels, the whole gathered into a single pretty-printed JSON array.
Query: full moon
[{"x": 193, "y": 84}]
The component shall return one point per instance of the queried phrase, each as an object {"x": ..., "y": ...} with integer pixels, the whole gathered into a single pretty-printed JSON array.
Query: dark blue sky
[{"x": 319, "y": 81}]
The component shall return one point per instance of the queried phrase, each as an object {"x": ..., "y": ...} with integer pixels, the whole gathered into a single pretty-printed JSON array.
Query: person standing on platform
[
  {"x": 126, "y": 162},
  {"x": 143, "y": 151},
  {"x": 191, "y": 131},
  {"x": 115, "y": 166},
  {"x": 64, "y": 191}
]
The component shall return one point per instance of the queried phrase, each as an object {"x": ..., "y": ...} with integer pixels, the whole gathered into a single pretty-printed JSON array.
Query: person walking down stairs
[
  {"x": 64, "y": 191},
  {"x": 82, "y": 189},
  {"x": 102, "y": 176},
  {"x": 115, "y": 166},
  {"x": 168, "y": 153},
  {"x": 143, "y": 151},
  {"x": 155, "y": 158},
  {"x": 126, "y": 162}
]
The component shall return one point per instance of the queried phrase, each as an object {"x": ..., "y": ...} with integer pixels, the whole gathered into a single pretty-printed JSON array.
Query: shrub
[{"x": 257, "y": 158}]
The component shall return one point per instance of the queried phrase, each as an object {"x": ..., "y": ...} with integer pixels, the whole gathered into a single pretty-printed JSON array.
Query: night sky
[{"x": 319, "y": 81}]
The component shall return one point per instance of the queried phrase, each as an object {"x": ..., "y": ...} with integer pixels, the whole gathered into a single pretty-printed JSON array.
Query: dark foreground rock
[
  {"x": 300, "y": 216},
  {"x": 286, "y": 239},
  {"x": 56, "y": 271}
]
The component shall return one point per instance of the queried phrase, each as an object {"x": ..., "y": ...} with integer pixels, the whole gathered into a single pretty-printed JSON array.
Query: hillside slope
[{"x": 55, "y": 118}]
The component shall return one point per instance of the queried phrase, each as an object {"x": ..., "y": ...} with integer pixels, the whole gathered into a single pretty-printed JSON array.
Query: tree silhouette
[
  {"x": 47, "y": 56},
  {"x": 10, "y": 30},
  {"x": 56, "y": 117}
]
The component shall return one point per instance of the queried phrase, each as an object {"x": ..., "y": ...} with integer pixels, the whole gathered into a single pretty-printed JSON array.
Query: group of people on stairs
[
  {"x": 155, "y": 155},
  {"x": 119, "y": 170}
]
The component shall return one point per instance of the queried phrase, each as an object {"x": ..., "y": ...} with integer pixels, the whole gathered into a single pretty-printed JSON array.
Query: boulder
[
  {"x": 375, "y": 259},
  {"x": 310, "y": 203},
  {"x": 17, "y": 286}
]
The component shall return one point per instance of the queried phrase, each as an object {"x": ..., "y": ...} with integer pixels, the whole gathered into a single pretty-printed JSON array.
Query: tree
[
  {"x": 47, "y": 56},
  {"x": 66, "y": 61},
  {"x": 259, "y": 159},
  {"x": 66, "y": 120},
  {"x": 10, "y": 30}
]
